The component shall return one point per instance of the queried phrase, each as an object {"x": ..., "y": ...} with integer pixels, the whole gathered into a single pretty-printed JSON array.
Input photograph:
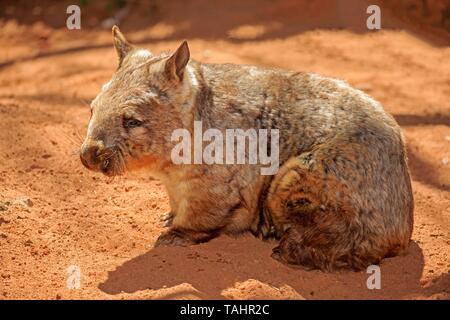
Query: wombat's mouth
[
  {"x": 105, "y": 165},
  {"x": 110, "y": 160},
  {"x": 112, "y": 165}
]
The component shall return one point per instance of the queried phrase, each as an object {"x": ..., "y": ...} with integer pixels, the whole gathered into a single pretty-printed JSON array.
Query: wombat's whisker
[
  {"x": 74, "y": 145},
  {"x": 108, "y": 157},
  {"x": 75, "y": 152},
  {"x": 120, "y": 157},
  {"x": 78, "y": 135},
  {"x": 85, "y": 102}
]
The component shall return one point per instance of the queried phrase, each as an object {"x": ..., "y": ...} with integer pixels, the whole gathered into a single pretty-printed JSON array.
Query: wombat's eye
[{"x": 131, "y": 123}]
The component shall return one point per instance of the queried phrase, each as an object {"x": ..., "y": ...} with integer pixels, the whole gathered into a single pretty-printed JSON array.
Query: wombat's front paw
[
  {"x": 167, "y": 219},
  {"x": 174, "y": 238}
]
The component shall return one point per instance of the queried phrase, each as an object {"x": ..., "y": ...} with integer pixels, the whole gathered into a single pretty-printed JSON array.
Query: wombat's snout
[{"x": 94, "y": 156}]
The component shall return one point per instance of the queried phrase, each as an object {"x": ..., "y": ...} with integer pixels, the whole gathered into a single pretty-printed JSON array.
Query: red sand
[{"x": 107, "y": 227}]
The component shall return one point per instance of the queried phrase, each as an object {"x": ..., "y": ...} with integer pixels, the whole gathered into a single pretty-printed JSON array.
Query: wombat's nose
[{"x": 89, "y": 156}]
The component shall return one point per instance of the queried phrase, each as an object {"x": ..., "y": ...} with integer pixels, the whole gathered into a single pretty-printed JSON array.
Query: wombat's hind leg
[
  {"x": 292, "y": 252},
  {"x": 311, "y": 211}
]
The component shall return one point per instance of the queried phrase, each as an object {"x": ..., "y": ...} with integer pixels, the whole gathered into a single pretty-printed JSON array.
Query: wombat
[{"x": 341, "y": 198}]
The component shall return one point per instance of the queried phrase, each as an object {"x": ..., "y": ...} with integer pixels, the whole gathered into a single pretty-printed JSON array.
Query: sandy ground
[{"x": 55, "y": 214}]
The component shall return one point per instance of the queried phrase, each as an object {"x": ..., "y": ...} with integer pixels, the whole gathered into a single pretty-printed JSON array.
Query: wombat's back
[{"x": 308, "y": 109}]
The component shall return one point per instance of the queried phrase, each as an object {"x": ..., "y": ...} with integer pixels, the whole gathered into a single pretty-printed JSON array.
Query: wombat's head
[{"x": 134, "y": 115}]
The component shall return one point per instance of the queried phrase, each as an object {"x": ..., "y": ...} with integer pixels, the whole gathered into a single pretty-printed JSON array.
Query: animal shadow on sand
[{"x": 222, "y": 264}]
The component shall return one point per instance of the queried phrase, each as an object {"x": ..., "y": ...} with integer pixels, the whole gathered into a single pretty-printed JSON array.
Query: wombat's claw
[
  {"x": 276, "y": 253},
  {"x": 167, "y": 219},
  {"x": 172, "y": 238},
  {"x": 267, "y": 231},
  {"x": 264, "y": 231}
]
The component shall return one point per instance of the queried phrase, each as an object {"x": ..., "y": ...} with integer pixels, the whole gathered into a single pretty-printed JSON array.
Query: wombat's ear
[
  {"x": 177, "y": 62},
  {"x": 121, "y": 44}
]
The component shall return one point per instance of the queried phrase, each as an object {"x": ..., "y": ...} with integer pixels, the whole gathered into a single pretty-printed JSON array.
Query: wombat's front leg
[
  {"x": 197, "y": 222},
  {"x": 183, "y": 237},
  {"x": 167, "y": 218},
  {"x": 201, "y": 210}
]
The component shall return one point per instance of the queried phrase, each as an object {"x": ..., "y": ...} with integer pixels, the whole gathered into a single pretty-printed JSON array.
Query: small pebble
[{"x": 23, "y": 201}]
